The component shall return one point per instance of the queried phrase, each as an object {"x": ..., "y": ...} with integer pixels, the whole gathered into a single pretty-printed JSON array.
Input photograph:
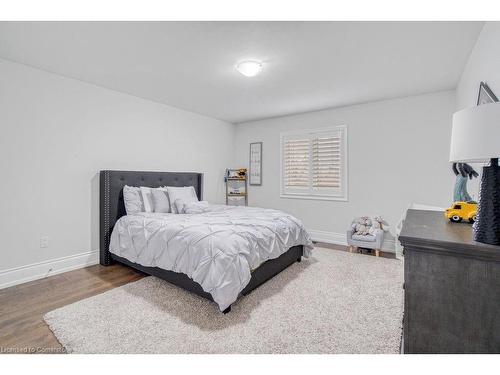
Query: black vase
[{"x": 487, "y": 225}]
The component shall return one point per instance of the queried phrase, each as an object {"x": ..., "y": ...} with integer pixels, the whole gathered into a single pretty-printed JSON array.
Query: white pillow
[
  {"x": 186, "y": 193},
  {"x": 133, "y": 200},
  {"x": 160, "y": 200},
  {"x": 147, "y": 197},
  {"x": 188, "y": 206}
]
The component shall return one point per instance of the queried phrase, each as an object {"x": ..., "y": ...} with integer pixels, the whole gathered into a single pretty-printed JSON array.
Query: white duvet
[{"x": 216, "y": 246}]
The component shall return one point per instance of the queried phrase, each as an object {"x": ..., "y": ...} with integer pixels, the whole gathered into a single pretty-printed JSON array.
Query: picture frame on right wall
[
  {"x": 485, "y": 94},
  {"x": 255, "y": 164}
]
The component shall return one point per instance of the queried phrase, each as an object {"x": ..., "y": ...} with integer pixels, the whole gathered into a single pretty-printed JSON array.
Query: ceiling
[{"x": 191, "y": 65}]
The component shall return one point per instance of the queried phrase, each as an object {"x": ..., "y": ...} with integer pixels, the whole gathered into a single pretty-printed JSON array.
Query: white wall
[
  {"x": 57, "y": 133},
  {"x": 483, "y": 65},
  {"x": 398, "y": 154}
]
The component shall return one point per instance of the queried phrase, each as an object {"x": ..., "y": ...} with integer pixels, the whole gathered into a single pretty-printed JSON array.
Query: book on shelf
[{"x": 236, "y": 191}]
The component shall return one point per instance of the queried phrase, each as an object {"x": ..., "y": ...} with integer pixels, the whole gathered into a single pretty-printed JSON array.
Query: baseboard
[
  {"x": 328, "y": 237},
  {"x": 47, "y": 268},
  {"x": 341, "y": 239}
]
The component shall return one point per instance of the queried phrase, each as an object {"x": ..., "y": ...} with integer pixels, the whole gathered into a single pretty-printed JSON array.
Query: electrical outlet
[{"x": 44, "y": 241}]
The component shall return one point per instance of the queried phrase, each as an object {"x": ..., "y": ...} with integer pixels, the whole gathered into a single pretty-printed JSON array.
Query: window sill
[{"x": 314, "y": 197}]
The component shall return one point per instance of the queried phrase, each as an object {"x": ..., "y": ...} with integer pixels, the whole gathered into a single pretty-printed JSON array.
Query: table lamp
[{"x": 475, "y": 138}]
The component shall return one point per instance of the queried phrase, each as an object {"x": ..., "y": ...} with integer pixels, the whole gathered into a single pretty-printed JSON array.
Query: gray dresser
[{"x": 452, "y": 287}]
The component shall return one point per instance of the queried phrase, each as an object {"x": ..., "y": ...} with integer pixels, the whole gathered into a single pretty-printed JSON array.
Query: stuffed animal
[
  {"x": 373, "y": 229},
  {"x": 381, "y": 222},
  {"x": 362, "y": 225},
  {"x": 368, "y": 226}
]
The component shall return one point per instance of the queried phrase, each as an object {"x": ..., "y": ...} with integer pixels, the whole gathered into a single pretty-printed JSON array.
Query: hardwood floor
[
  {"x": 22, "y": 307},
  {"x": 383, "y": 254}
]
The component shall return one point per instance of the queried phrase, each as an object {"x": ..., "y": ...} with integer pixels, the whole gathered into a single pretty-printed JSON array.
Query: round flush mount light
[{"x": 249, "y": 68}]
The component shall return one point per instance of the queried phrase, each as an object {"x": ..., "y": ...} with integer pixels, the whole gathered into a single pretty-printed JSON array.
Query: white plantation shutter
[
  {"x": 314, "y": 164},
  {"x": 296, "y": 158},
  {"x": 326, "y": 161}
]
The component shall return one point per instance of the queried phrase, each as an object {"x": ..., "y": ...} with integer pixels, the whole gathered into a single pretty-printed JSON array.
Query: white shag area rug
[{"x": 333, "y": 302}]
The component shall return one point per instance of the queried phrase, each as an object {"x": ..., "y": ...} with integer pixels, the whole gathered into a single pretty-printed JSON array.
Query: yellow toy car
[{"x": 462, "y": 211}]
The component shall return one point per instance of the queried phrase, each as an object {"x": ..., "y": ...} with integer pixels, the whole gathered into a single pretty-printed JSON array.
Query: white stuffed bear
[
  {"x": 375, "y": 226},
  {"x": 378, "y": 223},
  {"x": 362, "y": 225}
]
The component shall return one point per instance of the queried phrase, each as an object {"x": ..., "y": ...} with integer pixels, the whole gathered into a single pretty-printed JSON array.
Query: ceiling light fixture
[{"x": 249, "y": 68}]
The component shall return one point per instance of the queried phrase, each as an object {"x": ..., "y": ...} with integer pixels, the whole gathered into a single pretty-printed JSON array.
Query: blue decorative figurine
[{"x": 462, "y": 171}]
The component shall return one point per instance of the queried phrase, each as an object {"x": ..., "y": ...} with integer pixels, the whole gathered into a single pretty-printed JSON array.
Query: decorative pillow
[
  {"x": 186, "y": 193},
  {"x": 133, "y": 200},
  {"x": 190, "y": 207},
  {"x": 160, "y": 200},
  {"x": 147, "y": 198}
]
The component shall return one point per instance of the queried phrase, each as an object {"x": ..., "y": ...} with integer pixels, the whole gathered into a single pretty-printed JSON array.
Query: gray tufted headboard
[{"x": 112, "y": 206}]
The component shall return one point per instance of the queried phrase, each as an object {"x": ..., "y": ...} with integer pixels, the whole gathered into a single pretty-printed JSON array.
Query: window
[{"x": 314, "y": 164}]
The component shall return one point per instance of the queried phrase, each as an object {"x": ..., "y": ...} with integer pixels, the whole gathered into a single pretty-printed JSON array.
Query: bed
[{"x": 233, "y": 223}]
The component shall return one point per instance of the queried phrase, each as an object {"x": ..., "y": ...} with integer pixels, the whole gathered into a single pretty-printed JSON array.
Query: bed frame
[{"x": 112, "y": 207}]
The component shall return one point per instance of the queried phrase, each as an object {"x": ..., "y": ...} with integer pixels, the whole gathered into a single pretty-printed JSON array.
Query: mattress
[{"x": 217, "y": 246}]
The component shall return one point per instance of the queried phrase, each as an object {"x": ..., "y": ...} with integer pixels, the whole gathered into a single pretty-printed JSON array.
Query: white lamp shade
[{"x": 475, "y": 135}]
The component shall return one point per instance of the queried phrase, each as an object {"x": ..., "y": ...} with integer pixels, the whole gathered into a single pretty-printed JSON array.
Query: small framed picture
[
  {"x": 485, "y": 95},
  {"x": 256, "y": 163}
]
